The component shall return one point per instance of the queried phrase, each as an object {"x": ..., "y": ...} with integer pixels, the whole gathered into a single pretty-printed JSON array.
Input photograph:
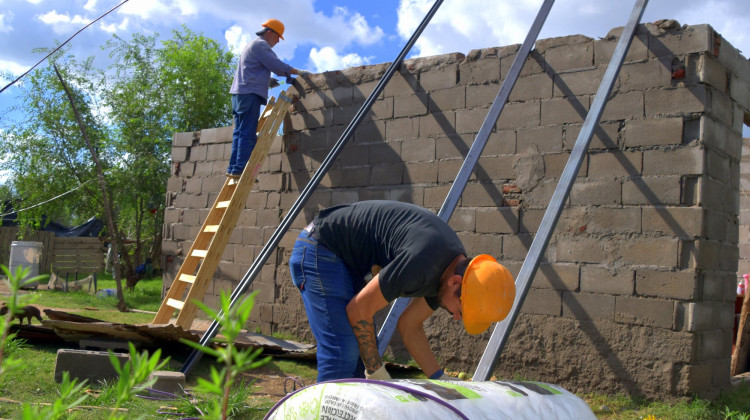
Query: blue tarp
[{"x": 89, "y": 229}]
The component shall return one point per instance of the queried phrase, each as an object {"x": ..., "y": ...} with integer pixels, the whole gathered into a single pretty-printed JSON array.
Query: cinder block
[
  {"x": 516, "y": 246},
  {"x": 421, "y": 173},
  {"x": 535, "y": 86},
  {"x": 447, "y": 99},
  {"x": 681, "y": 161},
  {"x": 603, "y": 220},
  {"x": 443, "y": 77},
  {"x": 677, "y": 101},
  {"x": 615, "y": 164},
  {"x": 563, "y": 110},
  {"x": 183, "y": 139},
  {"x": 463, "y": 220},
  {"x": 401, "y": 129},
  {"x": 448, "y": 170},
  {"x": 580, "y": 82},
  {"x": 470, "y": 120},
  {"x": 599, "y": 192},
  {"x": 543, "y": 302},
  {"x": 604, "y": 48},
  {"x": 390, "y": 174},
  {"x": 93, "y": 366},
  {"x": 343, "y": 115},
  {"x": 520, "y": 115},
  {"x": 653, "y": 132},
  {"x": 587, "y": 250},
  {"x": 569, "y": 56},
  {"x": 402, "y": 83},
  {"x": 499, "y": 220},
  {"x": 681, "y": 285},
  {"x": 651, "y": 251},
  {"x": 561, "y": 277},
  {"x": 682, "y": 222},
  {"x": 216, "y": 135},
  {"x": 603, "y": 280},
  {"x": 546, "y": 139},
  {"x": 418, "y": 150},
  {"x": 409, "y": 106},
  {"x": 588, "y": 306},
  {"x": 385, "y": 152},
  {"x": 495, "y": 169},
  {"x": 605, "y": 136},
  {"x": 648, "y": 312},
  {"x": 660, "y": 190},
  {"x": 438, "y": 124},
  {"x": 453, "y": 147},
  {"x": 167, "y": 384},
  {"x": 481, "y": 96},
  {"x": 692, "y": 39},
  {"x": 477, "y": 72},
  {"x": 652, "y": 74},
  {"x": 623, "y": 106},
  {"x": 482, "y": 195},
  {"x": 180, "y": 154}
]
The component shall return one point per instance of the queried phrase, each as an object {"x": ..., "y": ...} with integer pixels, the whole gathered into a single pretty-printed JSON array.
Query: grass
[{"x": 34, "y": 382}]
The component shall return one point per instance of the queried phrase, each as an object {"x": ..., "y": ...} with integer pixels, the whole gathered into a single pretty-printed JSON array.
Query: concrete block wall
[{"x": 635, "y": 293}]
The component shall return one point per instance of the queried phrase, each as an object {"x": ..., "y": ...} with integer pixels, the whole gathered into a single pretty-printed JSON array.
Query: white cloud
[
  {"x": 63, "y": 23},
  {"x": 327, "y": 58},
  {"x": 159, "y": 9},
  {"x": 34, "y": 1},
  {"x": 5, "y": 19},
  {"x": 90, "y": 5},
  {"x": 115, "y": 28},
  {"x": 52, "y": 18},
  {"x": 12, "y": 67},
  {"x": 236, "y": 39},
  {"x": 357, "y": 26}
]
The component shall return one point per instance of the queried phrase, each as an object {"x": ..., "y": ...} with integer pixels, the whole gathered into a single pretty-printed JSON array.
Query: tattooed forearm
[{"x": 368, "y": 346}]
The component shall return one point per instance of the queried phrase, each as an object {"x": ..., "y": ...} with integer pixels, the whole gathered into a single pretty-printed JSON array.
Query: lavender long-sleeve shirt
[{"x": 254, "y": 69}]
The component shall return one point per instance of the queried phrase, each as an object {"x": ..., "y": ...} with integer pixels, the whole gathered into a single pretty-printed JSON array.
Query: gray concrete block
[
  {"x": 604, "y": 220},
  {"x": 93, "y": 366},
  {"x": 586, "y": 250},
  {"x": 693, "y": 39},
  {"x": 681, "y": 161},
  {"x": 418, "y": 150},
  {"x": 448, "y": 169},
  {"x": 606, "y": 136},
  {"x": 183, "y": 139},
  {"x": 615, "y": 164},
  {"x": 535, "y": 86},
  {"x": 470, "y": 120},
  {"x": 105, "y": 344},
  {"x": 180, "y": 154},
  {"x": 447, "y": 99},
  {"x": 681, "y": 285},
  {"x": 216, "y": 135},
  {"x": 657, "y": 313},
  {"x": 652, "y": 74},
  {"x": 653, "y": 132},
  {"x": 438, "y": 124},
  {"x": 661, "y": 252},
  {"x": 579, "y": 82},
  {"x": 588, "y": 306},
  {"x": 569, "y": 56},
  {"x": 477, "y": 72},
  {"x": 410, "y": 106},
  {"x": 546, "y": 139},
  {"x": 603, "y": 280},
  {"x": 389, "y": 174},
  {"x": 515, "y": 247},
  {"x": 482, "y": 195},
  {"x": 682, "y": 222},
  {"x": 561, "y": 277},
  {"x": 481, "y": 96},
  {"x": 442, "y": 77},
  {"x": 564, "y": 110},
  {"x": 167, "y": 384},
  {"x": 623, "y": 106},
  {"x": 420, "y": 173},
  {"x": 598, "y": 192},
  {"x": 499, "y": 220},
  {"x": 661, "y": 190},
  {"x": 520, "y": 115},
  {"x": 463, "y": 220},
  {"x": 543, "y": 302},
  {"x": 604, "y": 48},
  {"x": 401, "y": 129},
  {"x": 677, "y": 101}
]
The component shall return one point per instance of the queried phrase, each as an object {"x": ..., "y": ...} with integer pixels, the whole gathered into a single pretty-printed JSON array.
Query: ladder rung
[
  {"x": 222, "y": 204},
  {"x": 187, "y": 278},
  {"x": 174, "y": 303},
  {"x": 211, "y": 228},
  {"x": 200, "y": 253}
]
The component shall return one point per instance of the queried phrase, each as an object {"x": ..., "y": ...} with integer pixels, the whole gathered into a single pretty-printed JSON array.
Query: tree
[{"x": 130, "y": 112}]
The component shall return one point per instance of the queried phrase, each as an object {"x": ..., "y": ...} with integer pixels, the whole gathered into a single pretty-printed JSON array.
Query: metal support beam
[
  {"x": 502, "y": 329},
  {"x": 449, "y": 205},
  {"x": 286, "y": 222}
]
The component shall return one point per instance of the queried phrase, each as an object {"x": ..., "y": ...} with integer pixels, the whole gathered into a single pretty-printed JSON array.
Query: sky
[{"x": 333, "y": 34}]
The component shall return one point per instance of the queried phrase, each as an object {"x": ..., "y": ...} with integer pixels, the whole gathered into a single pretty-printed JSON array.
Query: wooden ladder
[{"x": 200, "y": 263}]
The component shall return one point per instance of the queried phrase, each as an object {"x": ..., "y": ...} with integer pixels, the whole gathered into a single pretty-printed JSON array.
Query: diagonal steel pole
[
  {"x": 286, "y": 222},
  {"x": 502, "y": 329},
  {"x": 398, "y": 307}
]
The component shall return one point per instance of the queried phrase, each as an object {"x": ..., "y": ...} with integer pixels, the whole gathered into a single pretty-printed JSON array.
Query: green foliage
[
  {"x": 235, "y": 361},
  {"x": 134, "y": 374}
]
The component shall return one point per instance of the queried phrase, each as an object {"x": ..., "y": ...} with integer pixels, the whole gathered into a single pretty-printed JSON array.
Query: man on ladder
[
  {"x": 250, "y": 90},
  {"x": 420, "y": 256}
]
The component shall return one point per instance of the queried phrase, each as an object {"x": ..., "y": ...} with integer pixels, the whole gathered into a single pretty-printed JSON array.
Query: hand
[
  {"x": 379, "y": 375},
  {"x": 303, "y": 73},
  {"x": 273, "y": 82}
]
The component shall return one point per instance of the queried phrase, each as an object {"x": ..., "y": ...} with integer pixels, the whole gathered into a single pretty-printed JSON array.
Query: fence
[{"x": 59, "y": 254}]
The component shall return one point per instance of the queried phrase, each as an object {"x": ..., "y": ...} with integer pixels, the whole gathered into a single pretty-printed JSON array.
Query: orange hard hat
[
  {"x": 275, "y": 25},
  {"x": 487, "y": 293}
]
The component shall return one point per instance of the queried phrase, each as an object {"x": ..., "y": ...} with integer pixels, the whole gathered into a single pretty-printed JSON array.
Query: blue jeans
[
  {"x": 246, "y": 111},
  {"x": 327, "y": 286}
]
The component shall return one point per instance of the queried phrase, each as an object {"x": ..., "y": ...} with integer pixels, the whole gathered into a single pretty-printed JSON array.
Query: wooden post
[{"x": 742, "y": 345}]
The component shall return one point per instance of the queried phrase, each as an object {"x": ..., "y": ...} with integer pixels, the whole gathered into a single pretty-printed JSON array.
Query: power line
[
  {"x": 60, "y": 46},
  {"x": 45, "y": 202}
]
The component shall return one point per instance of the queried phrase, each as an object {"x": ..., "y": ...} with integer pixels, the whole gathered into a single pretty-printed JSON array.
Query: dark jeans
[
  {"x": 246, "y": 111},
  {"x": 327, "y": 287}
]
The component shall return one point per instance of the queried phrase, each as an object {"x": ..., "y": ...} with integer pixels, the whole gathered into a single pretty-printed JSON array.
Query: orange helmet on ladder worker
[{"x": 275, "y": 25}]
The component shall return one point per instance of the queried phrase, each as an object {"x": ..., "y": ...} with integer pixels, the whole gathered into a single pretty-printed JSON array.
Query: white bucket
[
  {"x": 361, "y": 399},
  {"x": 28, "y": 255}
]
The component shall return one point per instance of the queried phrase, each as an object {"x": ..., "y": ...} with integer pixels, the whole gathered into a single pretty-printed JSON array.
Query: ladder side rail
[
  {"x": 265, "y": 252},
  {"x": 451, "y": 200},
  {"x": 502, "y": 329},
  {"x": 232, "y": 213}
]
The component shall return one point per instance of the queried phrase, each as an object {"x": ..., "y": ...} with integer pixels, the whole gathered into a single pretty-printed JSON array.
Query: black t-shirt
[{"x": 411, "y": 244}]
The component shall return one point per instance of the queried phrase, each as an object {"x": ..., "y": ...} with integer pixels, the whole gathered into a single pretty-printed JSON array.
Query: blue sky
[{"x": 332, "y": 34}]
